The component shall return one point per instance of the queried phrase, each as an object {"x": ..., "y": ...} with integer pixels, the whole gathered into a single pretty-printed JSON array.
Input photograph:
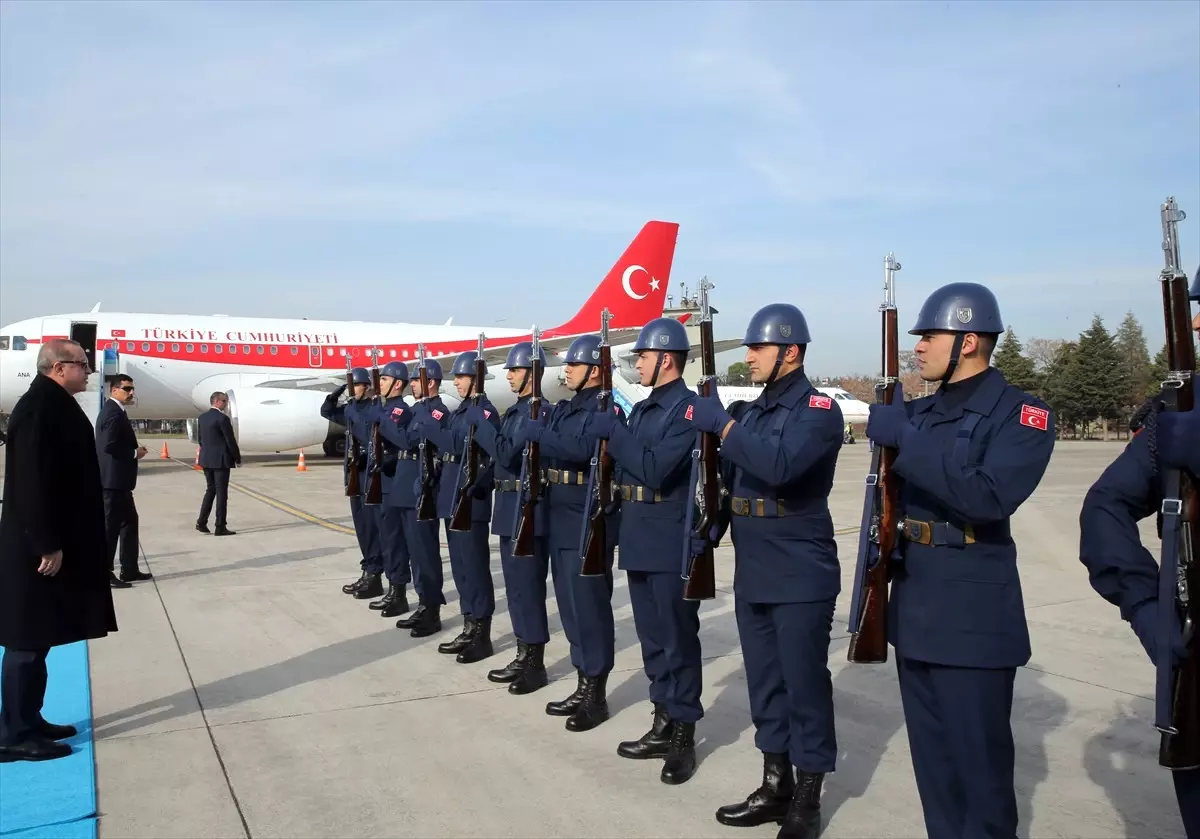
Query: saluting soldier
[
  {"x": 1120, "y": 569},
  {"x": 424, "y": 547},
  {"x": 353, "y": 415},
  {"x": 567, "y": 454},
  {"x": 779, "y": 454},
  {"x": 393, "y": 376},
  {"x": 470, "y": 556},
  {"x": 524, "y": 576},
  {"x": 969, "y": 455},
  {"x": 653, "y": 459}
]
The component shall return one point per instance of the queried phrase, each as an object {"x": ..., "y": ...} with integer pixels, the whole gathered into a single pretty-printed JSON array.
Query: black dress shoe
[
  {"x": 224, "y": 531},
  {"x": 35, "y": 748},
  {"x": 56, "y": 732},
  {"x": 203, "y": 528},
  {"x": 133, "y": 576},
  {"x": 117, "y": 583}
]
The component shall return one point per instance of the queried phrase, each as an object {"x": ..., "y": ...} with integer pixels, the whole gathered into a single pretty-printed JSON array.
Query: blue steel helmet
[
  {"x": 960, "y": 307},
  {"x": 395, "y": 369},
  {"x": 520, "y": 356},
  {"x": 664, "y": 335},
  {"x": 432, "y": 369},
  {"x": 1195, "y": 295},
  {"x": 464, "y": 365},
  {"x": 360, "y": 376},
  {"x": 583, "y": 350},
  {"x": 777, "y": 323}
]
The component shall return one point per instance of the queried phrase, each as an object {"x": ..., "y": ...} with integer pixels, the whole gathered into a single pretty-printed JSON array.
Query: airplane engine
[{"x": 277, "y": 419}]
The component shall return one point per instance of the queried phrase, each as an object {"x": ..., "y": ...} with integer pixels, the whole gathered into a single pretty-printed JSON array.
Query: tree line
[{"x": 1093, "y": 383}]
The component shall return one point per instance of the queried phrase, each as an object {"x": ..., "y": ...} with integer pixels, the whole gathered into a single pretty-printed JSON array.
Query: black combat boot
[
  {"x": 803, "y": 820},
  {"x": 414, "y": 618},
  {"x": 567, "y": 706},
  {"x": 593, "y": 710},
  {"x": 398, "y": 605},
  {"x": 373, "y": 587},
  {"x": 479, "y": 644},
  {"x": 383, "y": 601},
  {"x": 459, "y": 642},
  {"x": 362, "y": 580},
  {"x": 429, "y": 622},
  {"x": 768, "y": 803},
  {"x": 510, "y": 671},
  {"x": 681, "y": 757},
  {"x": 655, "y": 742},
  {"x": 533, "y": 674}
]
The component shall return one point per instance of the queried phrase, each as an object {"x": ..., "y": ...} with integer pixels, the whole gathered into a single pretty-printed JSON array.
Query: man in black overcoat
[
  {"x": 119, "y": 452},
  {"x": 53, "y": 552}
]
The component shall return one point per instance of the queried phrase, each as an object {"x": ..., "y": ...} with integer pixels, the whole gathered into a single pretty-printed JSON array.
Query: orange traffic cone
[
  {"x": 300, "y": 467},
  {"x": 164, "y": 455},
  {"x": 196, "y": 465}
]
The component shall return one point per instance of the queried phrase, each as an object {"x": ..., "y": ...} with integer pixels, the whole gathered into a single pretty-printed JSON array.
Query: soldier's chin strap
[
  {"x": 955, "y": 353},
  {"x": 778, "y": 363},
  {"x": 524, "y": 381},
  {"x": 587, "y": 377},
  {"x": 657, "y": 370}
]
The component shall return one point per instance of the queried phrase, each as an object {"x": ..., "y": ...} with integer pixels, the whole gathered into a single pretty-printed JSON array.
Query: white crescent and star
[{"x": 628, "y": 275}]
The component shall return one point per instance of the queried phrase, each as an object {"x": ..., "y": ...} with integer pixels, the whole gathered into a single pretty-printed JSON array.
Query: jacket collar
[
  {"x": 787, "y": 391},
  {"x": 981, "y": 401}
]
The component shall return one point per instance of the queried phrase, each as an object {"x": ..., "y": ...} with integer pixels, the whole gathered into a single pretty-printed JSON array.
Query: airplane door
[
  {"x": 314, "y": 356},
  {"x": 85, "y": 334}
]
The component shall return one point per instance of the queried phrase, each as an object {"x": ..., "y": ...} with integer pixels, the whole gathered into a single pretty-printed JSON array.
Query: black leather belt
[
  {"x": 508, "y": 485},
  {"x": 632, "y": 492},
  {"x": 563, "y": 476},
  {"x": 758, "y": 507},
  {"x": 937, "y": 533}
]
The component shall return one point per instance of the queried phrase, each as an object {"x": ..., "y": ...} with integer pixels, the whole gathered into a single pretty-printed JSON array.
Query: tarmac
[{"x": 246, "y": 696}]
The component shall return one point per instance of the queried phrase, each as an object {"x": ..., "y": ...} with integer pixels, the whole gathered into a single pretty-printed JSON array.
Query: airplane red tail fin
[{"x": 635, "y": 289}]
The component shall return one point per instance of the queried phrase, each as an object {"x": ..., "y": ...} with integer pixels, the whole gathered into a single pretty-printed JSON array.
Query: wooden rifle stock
[
  {"x": 592, "y": 555},
  {"x": 699, "y": 571},
  {"x": 352, "y": 452},
  {"x": 530, "y": 486},
  {"x": 375, "y": 473},
  {"x": 881, "y": 514},
  {"x": 427, "y": 499},
  {"x": 1177, "y": 688},
  {"x": 468, "y": 473}
]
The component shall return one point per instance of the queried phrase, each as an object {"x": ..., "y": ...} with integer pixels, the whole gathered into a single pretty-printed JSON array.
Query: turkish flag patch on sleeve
[
  {"x": 688, "y": 413},
  {"x": 436, "y": 414},
  {"x": 397, "y": 411},
  {"x": 824, "y": 402},
  {"x": 1035, "y": 417},
  {"x": 487, "y": 414}
]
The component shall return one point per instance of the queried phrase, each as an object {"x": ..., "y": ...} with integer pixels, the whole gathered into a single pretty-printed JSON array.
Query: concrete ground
[{"x": 245, "y": 695}]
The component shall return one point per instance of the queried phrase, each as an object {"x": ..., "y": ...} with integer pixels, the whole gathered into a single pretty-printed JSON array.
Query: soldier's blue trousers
[
  {"x": 425, "y": 556},
  {"x": 525, "y": 587},
  {"x": 785, "y": 649},
  {"x": 1187, "y": 790},
  {"x": 591, "y": 610},
  {"x": 471, "y": 565},
  {"x": 960, "y": 737},
  {"x": 366, "y": 529},
  {"x": 668, "y": 627},
  {"x": 396, "y": 564}
]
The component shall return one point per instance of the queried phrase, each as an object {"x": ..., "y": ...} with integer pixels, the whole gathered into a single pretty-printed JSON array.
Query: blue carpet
[{"x": 56, "y": 798}]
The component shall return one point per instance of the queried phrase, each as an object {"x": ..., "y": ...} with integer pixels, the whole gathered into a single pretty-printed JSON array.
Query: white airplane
[
  {"x": 853, "y": 410},
  {"x": 277, "y": 372}
]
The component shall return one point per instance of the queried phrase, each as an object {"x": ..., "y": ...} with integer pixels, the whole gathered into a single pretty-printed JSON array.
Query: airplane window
[
  {"x": 191, "y": 347},
  {"x": 129, "y": 346},
  {"x": 3, "y": 342},
  {"x": 245, "y": 349},
  {"x": 342, "y": 352},
  {"x": 218, "y": 348},
  {"x": 174, "y": 348},
  {"x": 393, "y": 353},
  {"x": 260, "y": 349},
  {"x": 204, "y": 348},
  {"x": 145, "y": 346},
  {"x": 19, "y": 343},
  {"x": 329, "y": 351},
  {"x": 295, "y": 350},
  {"x": 233, "y": 348},
  {"x": 405, "y": 353},
  {"x": 274, "y": 350}
]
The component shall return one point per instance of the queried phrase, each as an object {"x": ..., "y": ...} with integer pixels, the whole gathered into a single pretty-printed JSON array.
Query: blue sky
[{"x": 406, "y": 161}]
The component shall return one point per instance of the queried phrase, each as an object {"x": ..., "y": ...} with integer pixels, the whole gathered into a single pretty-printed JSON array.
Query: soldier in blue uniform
[
  {"x": 652, "y": 455},
  {"x": 567, "y": 456},
  {"x": 524, "y": 576},
  {"x": 1119, "y": 568},
  {"x": 393, "y": 376},
  {"x": 470, "y": 556},
  {"x": 779, "y": 454},
  {"x": 968, "y": 456},
  {"x": 424, "y": 547},
  {"x": 352, "y": 415}
]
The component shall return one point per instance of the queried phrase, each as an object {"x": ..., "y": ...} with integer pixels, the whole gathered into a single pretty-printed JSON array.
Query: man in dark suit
[
  {"x": 218, "y": 454},
  {"x": 118, "y": 452}
]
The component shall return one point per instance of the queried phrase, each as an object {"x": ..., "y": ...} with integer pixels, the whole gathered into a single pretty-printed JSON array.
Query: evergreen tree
[
  {"x": 1059, "y": 386},
  {"x": 1135, "y": 361},
  {"x": 1158, "y": 372},
  {"x": 1100, "y": 376},
  {"x": 738, "y": 374},
  {"x": 1010, "y": 360}
]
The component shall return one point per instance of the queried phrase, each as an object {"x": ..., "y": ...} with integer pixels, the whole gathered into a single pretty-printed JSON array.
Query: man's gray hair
[
  {"x": 58, "y": 349},
  {"x": 217, "y": 396}
]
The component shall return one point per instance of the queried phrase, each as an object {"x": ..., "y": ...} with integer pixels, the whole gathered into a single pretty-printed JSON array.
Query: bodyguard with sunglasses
[{"x": 118, "y": 451}]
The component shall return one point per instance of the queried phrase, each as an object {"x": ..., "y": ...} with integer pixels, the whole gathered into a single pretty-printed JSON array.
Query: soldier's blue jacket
[
  {"x": 407, "y": 441},
  {"x": 652, "y": 455},
  {"x": 977, "y": 449},
  {"x": 387, "y": 414},
  {"x": 782, "y": 452},
  {"x": 351, "y": 416},
  {"x": 450, "y": 438},
  {"x": 507, "y": 454}
]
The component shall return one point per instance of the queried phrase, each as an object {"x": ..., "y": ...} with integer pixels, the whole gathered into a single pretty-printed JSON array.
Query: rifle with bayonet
[
  {"x": 352, "y": 450},
  {"x": 594, "y": 536},
  {"x": 1177, "y": 688},
  {"x": 699, "y": 572},
  {"x": 375, "y": 473},
  {"x": 879, "y": 533},
  {"x": 427, "y": 499},
  {"x": 472, "y": 454},
  {"x": 530, "y": 485}
]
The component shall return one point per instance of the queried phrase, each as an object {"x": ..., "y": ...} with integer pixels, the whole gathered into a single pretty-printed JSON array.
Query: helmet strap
[
  {"x": 657, "y": 369},
  {"x": 955, "y": 353},
  {"x": 778, "y": 363},
  {"x": 587, "y": 377},
  {"x": 524, "y": 381}
]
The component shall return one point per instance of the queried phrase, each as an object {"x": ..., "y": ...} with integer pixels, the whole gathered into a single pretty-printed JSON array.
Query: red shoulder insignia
[
  {"x": 823, "y": 402},
  {"x": 688, "y": 413},
  {"x": 1035, "y": 417},
  {"x": 436, "y": 414},
  {"x": 487, "y": 414},
  {"x": 397, "y": 411}
]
